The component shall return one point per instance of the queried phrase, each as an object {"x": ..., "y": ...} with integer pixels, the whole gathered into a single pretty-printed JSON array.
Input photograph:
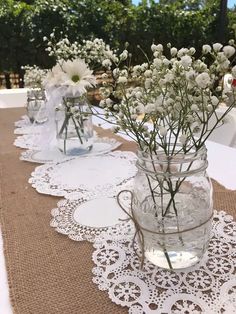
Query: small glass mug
[{"x": 36, "y": 106}]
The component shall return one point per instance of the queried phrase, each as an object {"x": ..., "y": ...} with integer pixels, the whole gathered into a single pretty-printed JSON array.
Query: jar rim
[
  {"x": 160, "y": 156},
  {"x": 180, "y": 164}
]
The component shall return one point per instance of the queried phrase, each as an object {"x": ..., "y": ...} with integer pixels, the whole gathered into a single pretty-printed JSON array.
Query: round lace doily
[
  {"x": 208, "y": 287},
  {"x": 23, "y": 122},
  {"x": 101, "y": 145},
  {"x": 43, "y": 157},
  {"x": 29, "y": 129},
  {"x": 28, "y": 141},
  {"x": 90, "y": 176},
  {"x": 84, "y": 219}
]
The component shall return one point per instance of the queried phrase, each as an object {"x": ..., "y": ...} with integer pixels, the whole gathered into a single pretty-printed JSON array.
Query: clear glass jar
[
  {"x": 36, "y": 105},
  {"x": 172, "y": 204},
  {"x": 74, "y": 126}
]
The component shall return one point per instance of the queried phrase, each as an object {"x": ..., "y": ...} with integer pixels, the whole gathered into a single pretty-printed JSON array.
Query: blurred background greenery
[{"x": 184, "y": 23}]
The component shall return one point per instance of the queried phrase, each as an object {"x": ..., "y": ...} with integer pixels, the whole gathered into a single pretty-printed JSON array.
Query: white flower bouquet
[
  {"x": 178, "y": 94},
  {"x": 96, "y": 53},
  {"x": 36, "y": 97},
  {"x": 68, "y": 82},
  {"x": 34, "y": 76},
  {"x": 168, "y": 105}
]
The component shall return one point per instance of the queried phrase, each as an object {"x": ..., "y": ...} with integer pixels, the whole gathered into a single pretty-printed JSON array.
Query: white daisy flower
[{"x": 77, "y": 77}]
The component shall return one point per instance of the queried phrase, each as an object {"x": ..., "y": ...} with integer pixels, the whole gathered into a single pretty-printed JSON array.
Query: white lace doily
[
  {"x": 84, "y": 219},
  {"x": 208, "y": 287},
  {"x": 43, "y": 157},
  {"x": 23, "y": 122},
  {"x": 100, "y": 146},
  {"x": 28, "y": 141},
  {"x": 29, "y": 129},
  {"x": 91, "y": 176}
]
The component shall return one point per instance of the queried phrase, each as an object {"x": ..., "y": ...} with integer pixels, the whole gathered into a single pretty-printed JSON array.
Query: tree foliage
[{"x": 23, "y": 24}]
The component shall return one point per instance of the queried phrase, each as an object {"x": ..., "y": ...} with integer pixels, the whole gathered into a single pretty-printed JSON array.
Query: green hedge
[{"x": 23, "y": 24}]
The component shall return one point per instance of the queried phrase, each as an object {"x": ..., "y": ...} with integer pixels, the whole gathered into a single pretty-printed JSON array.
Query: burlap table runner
[{"x": 47, "y": 272}]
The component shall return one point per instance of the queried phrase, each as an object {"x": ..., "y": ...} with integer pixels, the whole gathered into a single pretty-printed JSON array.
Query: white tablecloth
[{"x": 11, "y": 98}]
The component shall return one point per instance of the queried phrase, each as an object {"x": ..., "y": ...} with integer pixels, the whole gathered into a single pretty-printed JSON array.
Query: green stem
[
  {"x": 77, "y": 130},
  {"x": 65, "y": 138}
]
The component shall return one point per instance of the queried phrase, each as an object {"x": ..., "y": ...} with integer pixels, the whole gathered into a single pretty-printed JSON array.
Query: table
[
  {"x": 18, "y": 194},
  {"x": 15, "y": 97}
]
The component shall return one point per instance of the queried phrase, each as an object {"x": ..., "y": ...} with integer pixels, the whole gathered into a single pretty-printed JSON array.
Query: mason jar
[
  {"x": 172, "y": 207},
  {"x": 36, "y": 105},
  {"x": 74, "y": 126}
]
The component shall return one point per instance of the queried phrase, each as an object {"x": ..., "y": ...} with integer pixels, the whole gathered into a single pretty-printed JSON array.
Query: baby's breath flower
[
  {"x": 153, "y": 47},
  {"x": 162, "y": 131},
  {"x": 217, "y": 47},
  {"x": 122, "y": 80},
  {"x": 159, "y": 48},
  {"x": 166, "y": 62},
  {"x": 137, "y": 69},
  {"x": 190, "y": 75},
  {"x": 148, "y": 83},
  {"x": 124, "y": 72},
  {"x": 182, "y": 52},
  {"x": 209, "y": 108},
  {"x": 106, "y": 63},
  {"x": 214, "y": 101},
  {"x": 206, "y": 49},
  {"x": 116, "y": 72},
  {"x": 229, "y": 51},
  {"x": 157, "y": 62},
  {"x": 169, "y": 77},
  {"x": 203, "y": 80},
  {"x": 124, "y": 55},
  {"x": 186, "y": 61},
  {"x": 192, "y": 51},
  {"x": 144, "y": 66},
  {"x": 148, "y": 73}
]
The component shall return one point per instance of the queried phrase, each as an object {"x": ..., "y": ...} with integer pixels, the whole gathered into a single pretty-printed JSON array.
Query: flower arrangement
[
  {"x": 34, "y": 76},
  {"x": 33, "y": 79},
  {"x": 68, "y": 83},
  {"x": 95, "y": 53},
  {"x": 178, "y": 94},
  {"x": 168, "y": 105}
]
